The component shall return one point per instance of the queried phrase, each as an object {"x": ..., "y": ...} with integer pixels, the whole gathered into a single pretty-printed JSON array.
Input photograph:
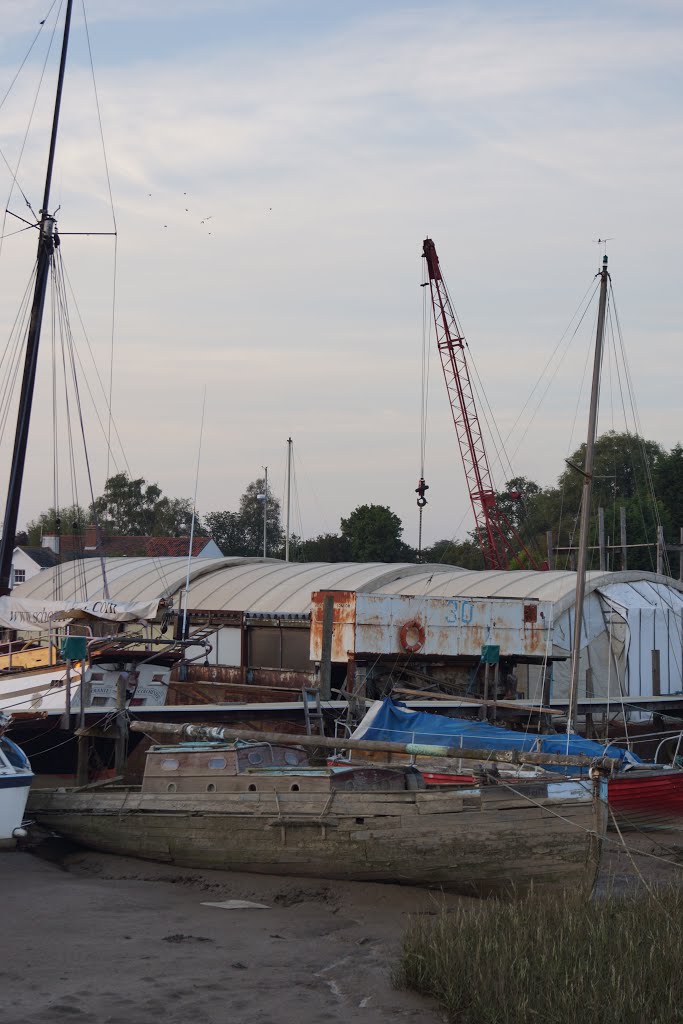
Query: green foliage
[
  {"x": 135, "y": 508},
  {"x": 326, "y": 547},
  {"x": 465, "y": 553},
  {"x": 66, "y": 520},
  {"x": 554, "y": 959},
  {"x": 374, "y": 535},
  {"x": 226, "y": 530},
  {"x": 624, "y": 466},
  {"x": 251, "y": 521}
]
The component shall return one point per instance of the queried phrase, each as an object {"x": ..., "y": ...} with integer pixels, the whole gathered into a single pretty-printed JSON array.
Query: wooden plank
[{"x": 514, "y": 704}]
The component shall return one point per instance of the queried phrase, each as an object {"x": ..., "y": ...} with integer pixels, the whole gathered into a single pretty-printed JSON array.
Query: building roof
[
  {"x": 271, "y": 585},
  {"x": 44, "y": 557},
  {"x": 74, "y": 545}
]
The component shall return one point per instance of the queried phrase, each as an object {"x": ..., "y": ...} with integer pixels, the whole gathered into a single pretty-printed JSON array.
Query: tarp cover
[
  {"x": 391, "y": 720},
  {"x": 26, "y": 614}
]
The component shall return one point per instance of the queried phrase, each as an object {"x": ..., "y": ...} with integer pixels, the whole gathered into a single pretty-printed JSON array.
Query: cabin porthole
[
  {"x": 294, "y": 787},
  {"x": 252, "y": 788},
  {"x": 171, "y": 788},
  {"x": 211, "y": 788}
]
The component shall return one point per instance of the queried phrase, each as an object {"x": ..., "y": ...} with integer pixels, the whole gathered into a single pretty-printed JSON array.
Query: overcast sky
[{"x": 324, "y": 141}]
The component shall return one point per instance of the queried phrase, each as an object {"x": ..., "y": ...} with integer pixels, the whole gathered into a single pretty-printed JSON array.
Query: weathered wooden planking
[{"x": 414, "y": 840}]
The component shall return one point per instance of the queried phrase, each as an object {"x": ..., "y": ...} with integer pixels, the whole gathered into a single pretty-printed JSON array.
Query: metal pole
[
  {"x": 265, "y": 515},
  {"x": 551, "y": 553},
  {"x": 622, "y": 532},
  {"x": 586, "y": 500},
  {"x": 680, "y": 555},
  {"x": 326, "y": 652},
  {"x": 601, "y": 538},
  {"x": 660, "y": 550},
  {"x": 289, "y": 491},
  {"x": 46, "y": 244}
]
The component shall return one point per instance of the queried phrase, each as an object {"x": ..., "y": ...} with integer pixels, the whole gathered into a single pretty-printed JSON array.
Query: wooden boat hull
[{"x": 492, "y": 840}]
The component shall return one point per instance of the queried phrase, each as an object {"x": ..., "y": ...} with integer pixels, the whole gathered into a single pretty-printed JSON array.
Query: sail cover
[
  {"x": 391, "y": 720},
  {"x": 26, "y": 614}
]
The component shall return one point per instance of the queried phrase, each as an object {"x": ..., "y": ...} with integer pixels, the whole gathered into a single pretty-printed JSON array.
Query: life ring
[{"x": 414, "y": 626}]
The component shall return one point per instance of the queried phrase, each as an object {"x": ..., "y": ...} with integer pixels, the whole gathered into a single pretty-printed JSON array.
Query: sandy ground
[
  {"x": 96, "y": 939},
  {"x": 110, "y": 940}
]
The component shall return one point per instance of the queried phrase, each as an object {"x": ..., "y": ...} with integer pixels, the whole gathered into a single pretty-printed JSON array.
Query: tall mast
[
  {"x": 586, "y": 500},
  {"x": 47, "y": 239},
  {"x": 289, "y": 491},
  {"x": 265, "y": 514}
]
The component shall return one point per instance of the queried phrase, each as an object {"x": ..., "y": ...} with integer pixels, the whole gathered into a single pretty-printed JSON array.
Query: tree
[
  {"x": 130, "y": 507},
  {"x": 668, "y": 481},
  {"x": 251, "y": 520},
  {"x": 374, "y": 535},
  {"x": 66, "y": 520},
  {"x": 464, "y": 553},
  {"x": 326, "y": 547},
  {"x": 226, "y": 529}
]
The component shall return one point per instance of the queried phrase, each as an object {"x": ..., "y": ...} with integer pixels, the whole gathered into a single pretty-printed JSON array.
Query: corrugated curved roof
[{"x": 270, "y": 585}]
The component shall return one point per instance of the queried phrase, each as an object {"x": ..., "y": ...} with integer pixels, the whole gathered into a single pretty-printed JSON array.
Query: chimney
[
  {"x": 50, "y": 541},
  {"x": 90, "y": 538}
]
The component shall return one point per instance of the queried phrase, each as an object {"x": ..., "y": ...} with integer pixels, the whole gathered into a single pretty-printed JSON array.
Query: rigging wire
[
  {"x": 105, "y": 433},
  {"x": 113, "y": 216},
  {"x": 15, "y": 172}
]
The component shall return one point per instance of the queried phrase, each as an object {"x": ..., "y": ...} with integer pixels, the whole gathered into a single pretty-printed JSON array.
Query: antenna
[{"x": 194, "y": 516}]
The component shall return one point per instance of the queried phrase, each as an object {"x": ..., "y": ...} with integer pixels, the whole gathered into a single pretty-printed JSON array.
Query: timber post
[
  {"x": 121, "y": 731},
  {"x": 326, "y": 652}
]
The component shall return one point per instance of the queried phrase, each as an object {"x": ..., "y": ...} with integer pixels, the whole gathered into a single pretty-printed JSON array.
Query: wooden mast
[
  {"x": 47, "y": 240},
  {"x": 587, "y": 473}
]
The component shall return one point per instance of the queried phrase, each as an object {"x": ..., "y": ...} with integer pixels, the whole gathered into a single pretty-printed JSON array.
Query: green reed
[{"x": 551, "y": 960}]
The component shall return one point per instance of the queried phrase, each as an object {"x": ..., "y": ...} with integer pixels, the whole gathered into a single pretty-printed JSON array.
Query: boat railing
[{"x": 675, "y": 759}]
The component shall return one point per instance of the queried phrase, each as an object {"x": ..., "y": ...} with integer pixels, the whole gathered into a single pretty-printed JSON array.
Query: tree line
[{"x": 628, "y": 472}]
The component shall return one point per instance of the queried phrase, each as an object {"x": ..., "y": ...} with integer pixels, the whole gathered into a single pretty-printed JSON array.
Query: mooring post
[
  {"x": 326, "y": 652},
  {"x": 121, "y": 725}
]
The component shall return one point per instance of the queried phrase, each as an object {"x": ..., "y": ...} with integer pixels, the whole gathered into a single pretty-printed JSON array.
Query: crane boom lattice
[{"x": 498, "y": 540}]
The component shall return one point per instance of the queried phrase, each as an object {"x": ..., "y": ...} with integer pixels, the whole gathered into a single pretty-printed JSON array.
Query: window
[{"x": 19, "y": 576}]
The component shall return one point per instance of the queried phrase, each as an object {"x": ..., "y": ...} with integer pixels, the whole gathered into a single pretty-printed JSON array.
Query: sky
[{"x": 274, "y": 169}]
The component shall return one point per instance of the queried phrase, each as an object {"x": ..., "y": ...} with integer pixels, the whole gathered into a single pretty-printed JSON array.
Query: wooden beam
[
  {"x": 212, "y": 734},
  {"x": 515, "y": 704}
]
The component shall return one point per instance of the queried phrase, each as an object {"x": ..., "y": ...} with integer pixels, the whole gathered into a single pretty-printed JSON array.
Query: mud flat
[
  {"x": 92, "y": 937},
  {"x": 112, "y": 940}
]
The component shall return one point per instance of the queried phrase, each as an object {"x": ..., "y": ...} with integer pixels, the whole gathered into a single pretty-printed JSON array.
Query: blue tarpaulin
[{"x": 392, "y": 720}]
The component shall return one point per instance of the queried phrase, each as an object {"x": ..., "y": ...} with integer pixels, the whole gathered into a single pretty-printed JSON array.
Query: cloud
[{"x": 322, "y": 164}]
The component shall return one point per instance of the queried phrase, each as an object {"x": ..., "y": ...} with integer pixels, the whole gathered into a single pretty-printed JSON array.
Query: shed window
[{"x": 284, "y": 647}]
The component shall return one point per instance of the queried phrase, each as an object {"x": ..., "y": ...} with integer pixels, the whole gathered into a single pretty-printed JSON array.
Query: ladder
[{"x": 313, "y": 712}]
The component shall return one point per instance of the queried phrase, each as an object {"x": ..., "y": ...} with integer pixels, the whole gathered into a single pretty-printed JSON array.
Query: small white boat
[{"x": 15, "y": 781}]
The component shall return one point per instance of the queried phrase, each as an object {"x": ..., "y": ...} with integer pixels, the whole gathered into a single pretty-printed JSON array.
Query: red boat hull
[{"x": 647, "y": 799}]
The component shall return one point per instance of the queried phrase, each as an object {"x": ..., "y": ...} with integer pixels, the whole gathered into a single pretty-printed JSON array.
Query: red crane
[{"x": 499, "y": 541}]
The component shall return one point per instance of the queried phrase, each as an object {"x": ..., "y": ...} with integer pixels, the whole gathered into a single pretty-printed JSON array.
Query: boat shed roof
[{"x": 276, "y": 587}]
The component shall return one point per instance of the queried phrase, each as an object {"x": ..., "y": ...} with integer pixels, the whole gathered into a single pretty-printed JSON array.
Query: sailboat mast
[
  {"x": 289, "y": 492},
  {"x": 586, "y": 501},
  {"x": 46, "y": 246}
]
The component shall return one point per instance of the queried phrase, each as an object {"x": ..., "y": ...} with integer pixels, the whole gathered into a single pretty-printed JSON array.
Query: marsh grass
[{"x": 551, "y": 960}]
